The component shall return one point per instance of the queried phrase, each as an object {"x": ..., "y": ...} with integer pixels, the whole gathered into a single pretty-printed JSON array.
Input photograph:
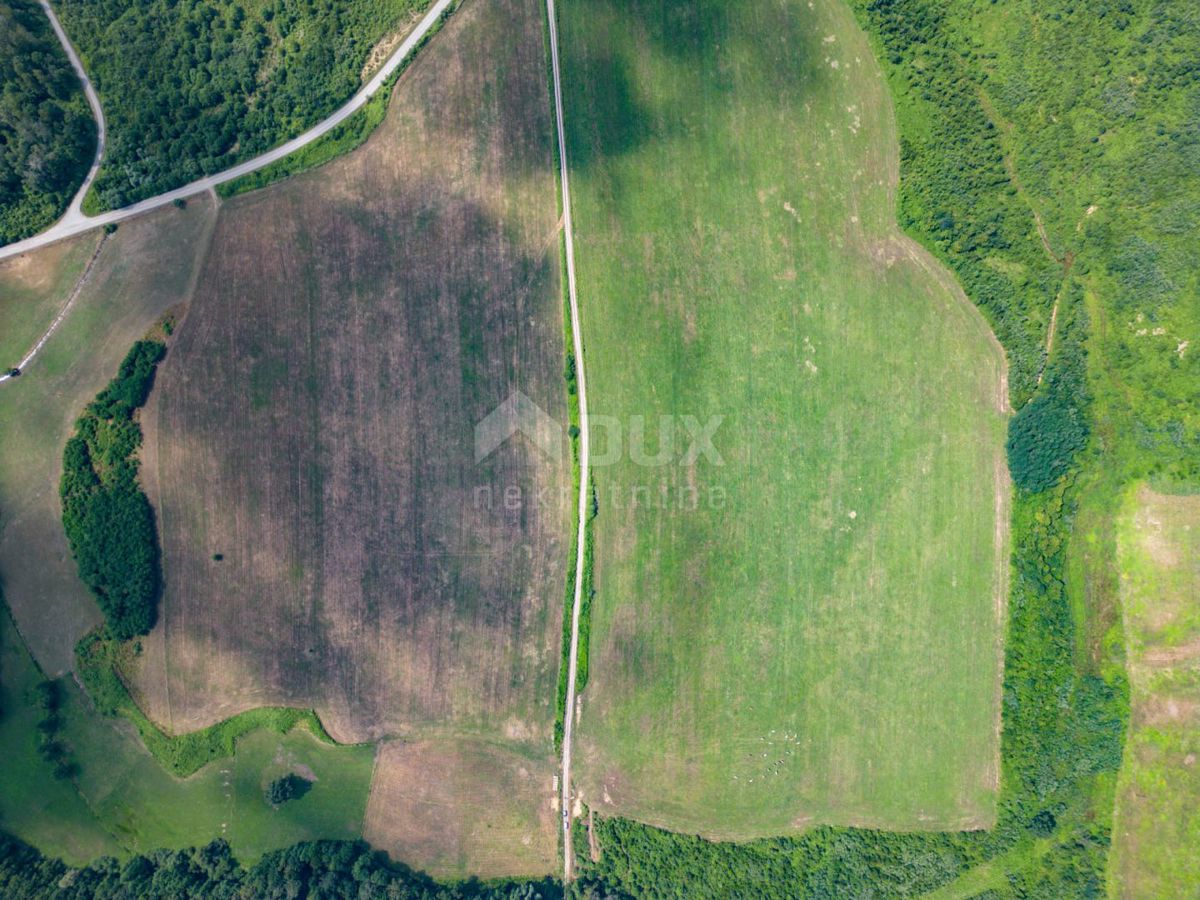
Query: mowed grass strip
[
  {"x": 803, "y": 626},
  {"x": 1156, "y": 828}
]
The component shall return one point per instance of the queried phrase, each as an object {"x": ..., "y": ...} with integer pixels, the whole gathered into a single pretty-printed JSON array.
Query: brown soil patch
[
  {"x": 1159, "y": 711},
  {"x": 315, "y": 422},
  {"x": 454, "y": 808}
]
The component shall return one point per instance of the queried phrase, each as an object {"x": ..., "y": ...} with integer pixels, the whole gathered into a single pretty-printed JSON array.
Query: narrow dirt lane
[
  {"x": 581, "y": 531},
  {"x": 74, "y": 212}
]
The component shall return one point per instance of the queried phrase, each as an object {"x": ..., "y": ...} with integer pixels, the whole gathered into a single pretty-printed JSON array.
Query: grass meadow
[
  {"x": 1157, "y": 823},
  {"x": 802, "y": 625},
  {"x": 121, "y": 800}
]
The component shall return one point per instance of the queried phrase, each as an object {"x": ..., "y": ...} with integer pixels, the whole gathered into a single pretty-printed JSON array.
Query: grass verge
[{"x": 98, "y": 661}]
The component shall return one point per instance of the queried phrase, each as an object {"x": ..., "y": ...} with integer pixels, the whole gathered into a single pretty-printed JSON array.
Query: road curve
[
  {"x": 584, "y": 476},
  {"x": 74, "y": 221},
  {"x": 74, "y": 213}
]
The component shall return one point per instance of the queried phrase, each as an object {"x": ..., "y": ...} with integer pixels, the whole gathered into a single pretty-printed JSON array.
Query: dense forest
[
  {"x": 326, "y": 869},
  {"x": 190, "y": 88},
  {"x": 108, "y": 519},
  {"x": 47, "y": 134}
]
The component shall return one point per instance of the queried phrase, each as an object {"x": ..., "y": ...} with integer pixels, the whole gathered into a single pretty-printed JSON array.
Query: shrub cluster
[
  {"x": 108, "y": 520},
  {"x": 1051, "y": 429},
  {"x": 290, "y": 787}
]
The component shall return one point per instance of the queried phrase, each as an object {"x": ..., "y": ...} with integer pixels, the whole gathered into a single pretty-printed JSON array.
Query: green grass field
[
  {"x": 44, "y": 811},
  {"x": 809, "y": 629},
  {"x": 122, "y": 800},
  {"x": 1157, "y": 825}
]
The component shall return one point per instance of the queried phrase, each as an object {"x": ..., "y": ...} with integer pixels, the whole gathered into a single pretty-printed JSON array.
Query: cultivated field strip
[{"x": 330, "y": 539}]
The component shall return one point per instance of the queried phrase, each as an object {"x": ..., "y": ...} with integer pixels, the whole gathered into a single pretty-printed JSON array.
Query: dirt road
[{"x": 581, "y": 381}]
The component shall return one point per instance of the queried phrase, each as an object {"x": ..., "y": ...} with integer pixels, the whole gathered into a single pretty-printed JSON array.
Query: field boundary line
[
  {"x": 72, "y": 224},
  {"x": 584, "y": 476},
  {"x": 62, "y": 313}
]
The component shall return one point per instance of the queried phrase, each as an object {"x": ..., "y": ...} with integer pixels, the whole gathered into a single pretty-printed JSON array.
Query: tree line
[{"x": 325, "y": 869}]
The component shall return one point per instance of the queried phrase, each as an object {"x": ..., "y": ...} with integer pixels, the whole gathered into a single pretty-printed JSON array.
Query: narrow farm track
[
  {"x": 75, "y": 222},
  {"x": 581, "y": 531},
  {"x": 62, "y": 314}
]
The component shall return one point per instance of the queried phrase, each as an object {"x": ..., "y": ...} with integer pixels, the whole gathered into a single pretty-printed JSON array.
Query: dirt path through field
[
  {"x": 58, "y": 320},
  {"x": 581, "y": 531}
]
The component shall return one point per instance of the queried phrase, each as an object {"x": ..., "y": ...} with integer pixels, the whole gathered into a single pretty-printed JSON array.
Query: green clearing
[
  {"x": 1157, "y": 824},
  {"x": 121, "y": 800},
  {"x": 807, "y": 630},
  {"x": 148, "y": 808},
  {"x": 46, "y": 812}
]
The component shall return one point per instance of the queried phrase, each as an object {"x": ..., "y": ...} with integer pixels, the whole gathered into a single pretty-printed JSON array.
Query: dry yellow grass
[
  {"x": 457, "y": 808},
  {"x": 1156, "y": 828}
]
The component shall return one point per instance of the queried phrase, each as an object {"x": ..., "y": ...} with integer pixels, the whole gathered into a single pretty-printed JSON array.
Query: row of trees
[
  {"x": 325, "y": 869},
  {"x": 108, "y": 519},
  {"x": 47, "y": 134}
]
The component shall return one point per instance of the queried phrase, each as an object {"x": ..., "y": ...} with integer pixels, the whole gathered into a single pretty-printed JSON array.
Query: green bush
[
  {"x": 108, "y": 520},
  {"x": 290, "y": 787}
]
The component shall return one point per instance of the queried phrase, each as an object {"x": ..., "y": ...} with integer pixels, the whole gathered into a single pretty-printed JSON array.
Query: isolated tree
[{"x": 290, "y": 787}]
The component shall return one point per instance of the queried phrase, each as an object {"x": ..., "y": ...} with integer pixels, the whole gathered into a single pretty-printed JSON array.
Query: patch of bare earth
[{"x": 429, "y": 803}]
